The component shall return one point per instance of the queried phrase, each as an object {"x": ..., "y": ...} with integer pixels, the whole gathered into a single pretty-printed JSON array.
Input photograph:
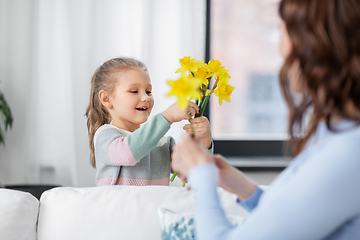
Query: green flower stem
[
  {"x": 215, "y": 84},
  {"x": 203, "y": 106},
  {"x": 191, "y": 125},
  {"x": 192, "y": 134},
  {"x": 184, "y": 183},
  {"x": 173, "y": 176}
]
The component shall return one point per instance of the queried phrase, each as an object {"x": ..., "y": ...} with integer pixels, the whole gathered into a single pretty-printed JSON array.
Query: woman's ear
[{"x": 105, "y": 99}]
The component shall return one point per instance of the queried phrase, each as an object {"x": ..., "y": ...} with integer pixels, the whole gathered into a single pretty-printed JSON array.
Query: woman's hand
[
  {"x": 201, "y": 129},
  {"x": 233, "y": 180},
  {"x": 187, "y": 154}
]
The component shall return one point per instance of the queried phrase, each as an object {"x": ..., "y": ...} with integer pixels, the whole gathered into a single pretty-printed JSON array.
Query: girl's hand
[
  {"x": 201, "y": 129},
  {"x": 187, "y": 154},
  {"x": 233, "y": 180},
  {"x": 175, "y": 114}
]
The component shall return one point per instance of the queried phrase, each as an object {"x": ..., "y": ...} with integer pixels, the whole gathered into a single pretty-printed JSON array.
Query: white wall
[{"x": 48, "y": 52}]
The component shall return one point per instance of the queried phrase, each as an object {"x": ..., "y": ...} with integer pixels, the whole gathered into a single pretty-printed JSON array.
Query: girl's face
[{"x": 132, "y": 101}]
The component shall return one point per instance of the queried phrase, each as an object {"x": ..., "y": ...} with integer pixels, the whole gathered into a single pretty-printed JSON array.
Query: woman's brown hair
[
  {"x": 325, "y": 38},
  {"x": 104, "y": 78}
]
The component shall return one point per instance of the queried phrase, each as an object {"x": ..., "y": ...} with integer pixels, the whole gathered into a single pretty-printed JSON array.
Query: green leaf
[
  {"x": 6, "y": 117},
  {"x": 1, "y": 136}
]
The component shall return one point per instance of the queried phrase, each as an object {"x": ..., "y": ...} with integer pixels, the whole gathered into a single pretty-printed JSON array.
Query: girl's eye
[
  {"x": 133, "y": 91},
  {"x": 148, "y": 92}
]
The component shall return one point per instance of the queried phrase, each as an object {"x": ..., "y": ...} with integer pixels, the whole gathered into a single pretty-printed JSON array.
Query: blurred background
[{"x": 50, "y": 49}]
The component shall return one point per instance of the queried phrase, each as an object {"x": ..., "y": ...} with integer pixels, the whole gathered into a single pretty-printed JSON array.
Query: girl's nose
[{"x": 145, "y": 98}]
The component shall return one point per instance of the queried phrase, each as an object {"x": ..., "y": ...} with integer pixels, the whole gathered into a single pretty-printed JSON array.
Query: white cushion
[
  {"x": 114, "y": 212},
  {"x": 18, "y": 215}
]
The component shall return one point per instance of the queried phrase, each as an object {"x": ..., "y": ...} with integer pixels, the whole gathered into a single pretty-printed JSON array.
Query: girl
[
  {"x": 123, "y": 152},
  {"x": 318, "y": 195}
]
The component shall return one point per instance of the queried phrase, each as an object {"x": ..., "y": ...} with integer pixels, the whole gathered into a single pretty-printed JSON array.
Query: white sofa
[{"x": 109, "y": 212}]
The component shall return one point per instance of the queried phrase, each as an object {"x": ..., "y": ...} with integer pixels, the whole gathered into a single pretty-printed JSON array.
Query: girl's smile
[{"x": 142, "y": 109}]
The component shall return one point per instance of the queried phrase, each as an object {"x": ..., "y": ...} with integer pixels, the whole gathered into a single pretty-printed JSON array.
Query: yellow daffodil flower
[
  {"x": 185, "y": 89},
  {"x": 202, "y": 73},
  {"x": 223, "y": 77},
  {"x": 216, "y": 68},
  {"x": 188, "y": 64},
  {"x": 194, "y": 83},
  {"x": 223, "y": 91}
]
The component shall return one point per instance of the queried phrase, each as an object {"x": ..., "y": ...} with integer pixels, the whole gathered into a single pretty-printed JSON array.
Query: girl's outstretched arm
[{"x": 128, "y": 150}]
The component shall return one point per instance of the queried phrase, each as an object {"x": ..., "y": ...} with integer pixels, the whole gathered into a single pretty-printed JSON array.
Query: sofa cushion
[
  {"x": 181, "y": 225},
  {"x": 114, "y": 212},
  {"x": 18, "y": 215}
]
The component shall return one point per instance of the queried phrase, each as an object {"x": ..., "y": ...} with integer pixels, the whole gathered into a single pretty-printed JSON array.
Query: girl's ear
[{"x": 105, "y": 99}]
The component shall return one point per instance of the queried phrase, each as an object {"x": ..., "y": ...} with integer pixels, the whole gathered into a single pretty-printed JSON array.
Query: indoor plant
[{"x": 6, "y": 118}]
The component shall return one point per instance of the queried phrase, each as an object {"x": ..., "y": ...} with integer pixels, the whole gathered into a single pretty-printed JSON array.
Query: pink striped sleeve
[
  {"x": 120, "y": 153},
  {"x": 132, "y": 181}
]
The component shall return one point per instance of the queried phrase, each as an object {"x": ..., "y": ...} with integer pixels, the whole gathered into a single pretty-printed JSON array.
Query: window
[{"x": 244, "y": 35}]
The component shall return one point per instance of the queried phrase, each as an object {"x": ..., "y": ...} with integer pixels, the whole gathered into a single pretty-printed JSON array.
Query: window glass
[{"x": 245, "y": 38}]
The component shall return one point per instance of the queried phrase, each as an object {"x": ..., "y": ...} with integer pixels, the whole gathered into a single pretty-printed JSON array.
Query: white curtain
[{"x": 48, "y": 52}]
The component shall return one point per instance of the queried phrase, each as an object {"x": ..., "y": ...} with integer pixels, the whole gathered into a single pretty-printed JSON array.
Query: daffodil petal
[
  {"x": 226, "y": 98},
  {"x": 220, "y": 100},
  {"x": 181, "y": 70},
  {"x": 183, "y": 103}
]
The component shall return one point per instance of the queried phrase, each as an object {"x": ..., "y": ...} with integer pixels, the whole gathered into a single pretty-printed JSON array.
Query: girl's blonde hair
[{"x": 105, "y": 79}]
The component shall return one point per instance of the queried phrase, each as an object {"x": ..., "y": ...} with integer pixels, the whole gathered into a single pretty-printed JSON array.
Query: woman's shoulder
[
  {"x": 347, "y": 136},
  {"x": 345, "y": 142}
]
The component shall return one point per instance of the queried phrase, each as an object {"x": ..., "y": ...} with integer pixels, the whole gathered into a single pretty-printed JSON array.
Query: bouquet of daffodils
[{"x": 194, "y": 83}]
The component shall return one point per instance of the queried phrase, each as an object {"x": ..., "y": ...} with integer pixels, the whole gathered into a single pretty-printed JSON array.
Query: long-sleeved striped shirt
[{"x": 138, "y": 158}]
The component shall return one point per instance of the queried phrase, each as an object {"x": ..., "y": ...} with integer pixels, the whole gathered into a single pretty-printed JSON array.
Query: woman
[{"x": 318, "y": 195}]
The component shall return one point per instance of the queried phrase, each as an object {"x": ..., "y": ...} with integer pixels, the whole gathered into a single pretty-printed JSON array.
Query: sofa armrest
[{"x": 18, "y": 215}]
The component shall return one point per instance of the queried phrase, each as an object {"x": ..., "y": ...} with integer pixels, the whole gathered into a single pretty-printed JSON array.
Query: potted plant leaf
[{"x": 6, "y": 119}]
